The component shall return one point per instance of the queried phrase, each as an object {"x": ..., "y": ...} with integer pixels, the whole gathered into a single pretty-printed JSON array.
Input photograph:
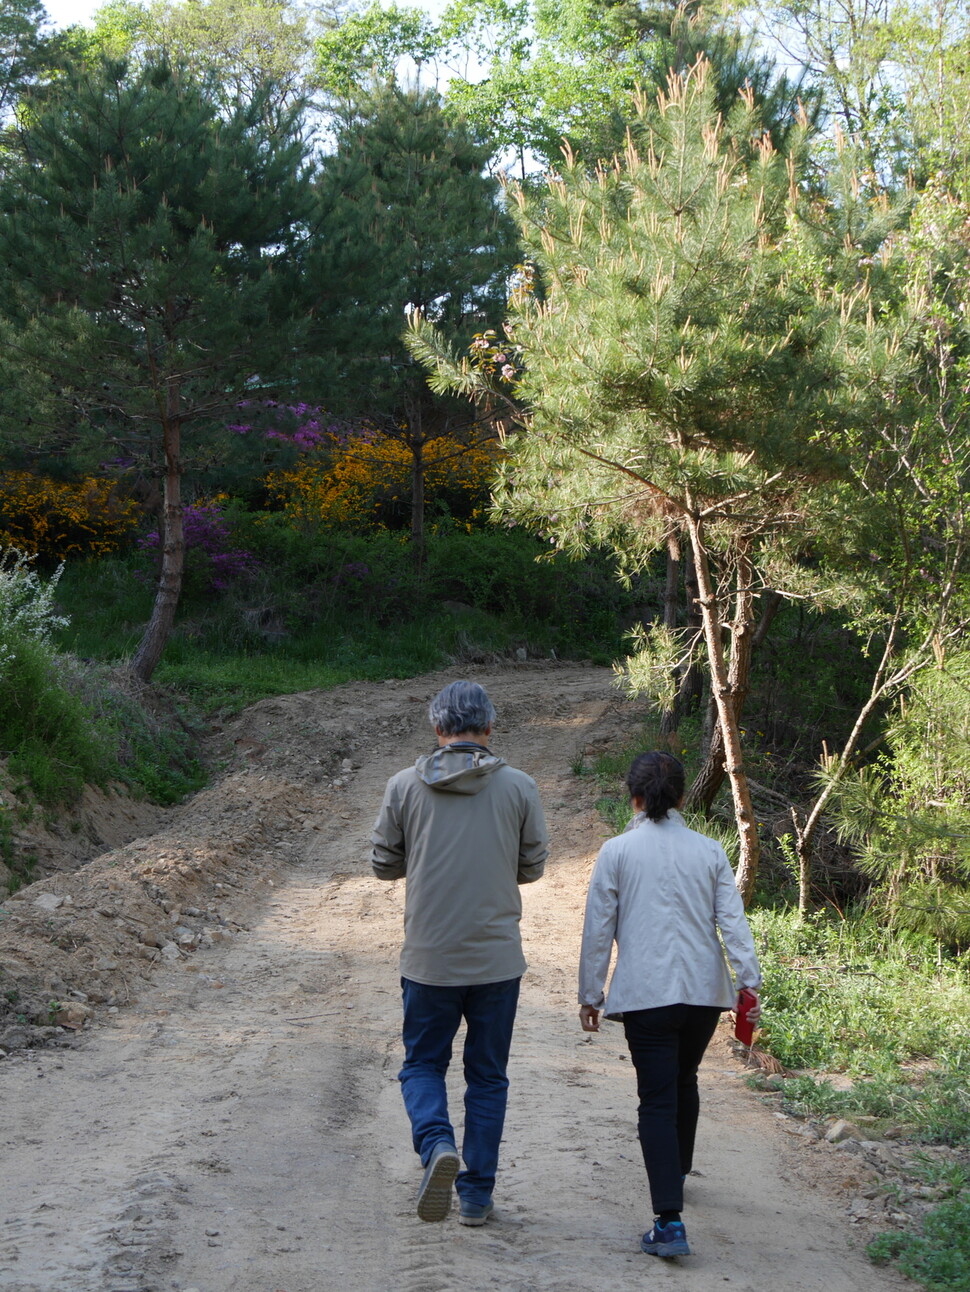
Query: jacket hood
[{"x": 458, "y": 769}]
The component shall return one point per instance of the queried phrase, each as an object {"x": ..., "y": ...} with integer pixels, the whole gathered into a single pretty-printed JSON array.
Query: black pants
[{"x": 666, "y": 1046}]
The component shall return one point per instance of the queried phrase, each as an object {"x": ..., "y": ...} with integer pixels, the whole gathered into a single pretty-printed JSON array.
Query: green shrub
[
  {"x": 46, "y": 733},
  {"x": 940, "y": 1257},
  {"x": 851, "y": 995}
]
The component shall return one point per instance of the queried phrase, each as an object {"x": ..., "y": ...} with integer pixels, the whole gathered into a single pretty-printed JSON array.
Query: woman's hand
[
  {"x": 589, "y": 1018},
  {"x": 754, "y": 1011}
]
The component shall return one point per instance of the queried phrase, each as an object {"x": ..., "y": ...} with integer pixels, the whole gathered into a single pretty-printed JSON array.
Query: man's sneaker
[
  {"x": 474, "y": 1213},
  {"x": 434, "y": 1196},
  {"x": 666, "y": 1240}
]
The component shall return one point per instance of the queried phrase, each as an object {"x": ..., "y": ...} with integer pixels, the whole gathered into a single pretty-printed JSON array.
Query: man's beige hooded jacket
[{"x": 465, "y": 829}]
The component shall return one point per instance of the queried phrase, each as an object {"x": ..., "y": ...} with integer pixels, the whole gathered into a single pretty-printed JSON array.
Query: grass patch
[
  {"x": 849, "y": 995},
  {"x": 312, "y": 611},
  {"x": 49, "y": 742},
  {"x": 226, "y": 681},
  {"x": 934, "y": 1109},
  {"x": 939, "y": 1258},
  {"x": 67, "y": 724}
]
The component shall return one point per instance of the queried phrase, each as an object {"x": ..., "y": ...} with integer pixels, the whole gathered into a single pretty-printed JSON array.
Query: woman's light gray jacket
[{"x": 662, "y": 892}]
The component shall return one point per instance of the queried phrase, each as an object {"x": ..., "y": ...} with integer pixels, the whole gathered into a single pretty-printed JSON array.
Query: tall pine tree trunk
[
  {"x": 692, "y": 685},
  {"x": 744, "y": 641},
  {"x": 747, "y": 871},
  {"x": 690, "y": 692},
  {"x": 169, "y": 589},
  {"x": 711, "y": 775},
  {"x": 670, "y": 719}
]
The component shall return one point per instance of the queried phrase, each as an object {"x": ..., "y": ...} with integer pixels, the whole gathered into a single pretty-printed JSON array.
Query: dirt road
[{"x": 235, "y": 1122}]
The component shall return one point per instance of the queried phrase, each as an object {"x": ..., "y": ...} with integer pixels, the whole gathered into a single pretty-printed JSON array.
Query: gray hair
[{"x": 461, "y": 706}]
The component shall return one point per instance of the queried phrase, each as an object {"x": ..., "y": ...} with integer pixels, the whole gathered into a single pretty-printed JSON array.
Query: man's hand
[{"x": 589, "y": 1018}]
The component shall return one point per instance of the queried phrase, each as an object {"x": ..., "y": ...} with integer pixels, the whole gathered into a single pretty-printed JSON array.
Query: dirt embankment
[{"x": 226, "y": 1114}]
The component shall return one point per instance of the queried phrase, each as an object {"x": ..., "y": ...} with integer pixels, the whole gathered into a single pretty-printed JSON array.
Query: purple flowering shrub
[
  {"x": 212, "y": 562},
  {"x": 308, "y": 428}
]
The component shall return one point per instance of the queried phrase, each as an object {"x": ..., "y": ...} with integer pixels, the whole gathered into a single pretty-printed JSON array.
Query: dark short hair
[
  {"x": 657, "y": 779},
  {"x": 461, "y": 706}
]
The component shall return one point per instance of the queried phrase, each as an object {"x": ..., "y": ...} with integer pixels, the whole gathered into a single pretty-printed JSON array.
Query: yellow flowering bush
[
  {"x": 367, "y": 483},
  {"x": 55, "y": 519}
]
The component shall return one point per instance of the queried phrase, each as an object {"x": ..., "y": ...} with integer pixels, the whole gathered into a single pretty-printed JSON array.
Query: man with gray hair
[{"x": 465, "y": 829}]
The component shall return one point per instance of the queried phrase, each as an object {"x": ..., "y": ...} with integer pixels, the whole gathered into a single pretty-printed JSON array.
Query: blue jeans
[{"x": 432, "y": 1016}]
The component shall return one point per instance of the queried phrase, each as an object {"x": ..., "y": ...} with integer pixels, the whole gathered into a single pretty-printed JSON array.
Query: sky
[{"x": 63, "y": 12}]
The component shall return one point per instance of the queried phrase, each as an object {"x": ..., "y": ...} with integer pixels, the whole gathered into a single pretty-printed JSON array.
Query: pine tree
[
  {"x": 409, "y": 223},
  {"x": 147, "y": 244},
  {"x": 679, "y": 380}
]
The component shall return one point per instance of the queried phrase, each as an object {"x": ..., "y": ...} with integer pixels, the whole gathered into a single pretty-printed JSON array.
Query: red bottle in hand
[{"x": 743, "y": 1026}]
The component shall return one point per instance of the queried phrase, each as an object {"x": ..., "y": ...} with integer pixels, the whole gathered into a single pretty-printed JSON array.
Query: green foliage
[
  {"x": 565, "y": 71},
  {"x": 144, "y": 244},
  {"x": 851, "y": 995},
  {"x": 249, "y": 50},
  {"x": 45, "y": 731},
  {"x": 893, "y": 78},
  {"x": 22, "y": 50},
  {"x": 907, "y": 812},
  {"x": 369, "y": 44},
  {"x": 412, "y": 224},
  {"x": 939, "y": 1259}
]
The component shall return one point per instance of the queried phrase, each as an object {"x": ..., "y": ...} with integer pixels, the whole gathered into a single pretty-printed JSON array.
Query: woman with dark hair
[{"x": 662, "y": 893}]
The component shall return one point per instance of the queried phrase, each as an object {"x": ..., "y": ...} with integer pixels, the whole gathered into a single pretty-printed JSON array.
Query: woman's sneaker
[{"x": 666, "y": 1240}]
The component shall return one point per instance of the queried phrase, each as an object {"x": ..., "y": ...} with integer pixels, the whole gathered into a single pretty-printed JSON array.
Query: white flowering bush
[{"x": 26, "y": 603}]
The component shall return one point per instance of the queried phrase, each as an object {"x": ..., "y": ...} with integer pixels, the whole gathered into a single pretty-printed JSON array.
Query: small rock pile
[{"x": 883, "y": 1171}]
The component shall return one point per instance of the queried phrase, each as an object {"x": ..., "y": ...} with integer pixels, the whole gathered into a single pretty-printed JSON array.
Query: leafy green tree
[
  {"x": 246, "y": 50},
  {"x": 409, "y": 222},
  {"x": 573, "y": 81},
  {"x": 928, "y": 48},
  {"x": 892, "y": 76},
  {"x": 148, "y": 243},
  {"x": 528, "y": 76},
  {"x": 21, "y": 49},
  {"x": 29, "y": 54},
  {"x": 842, "y": 45},
  {"x": 907, "y": 461},
  {"x": 680, "y": 381},
  {"x": 367, "y": 47}
]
